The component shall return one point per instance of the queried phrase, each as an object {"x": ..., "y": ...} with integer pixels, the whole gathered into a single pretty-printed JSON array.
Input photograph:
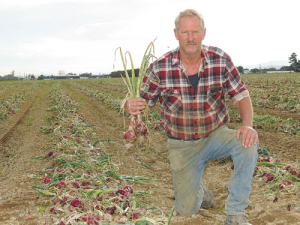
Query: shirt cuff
[{"x": 240, "y": 96}]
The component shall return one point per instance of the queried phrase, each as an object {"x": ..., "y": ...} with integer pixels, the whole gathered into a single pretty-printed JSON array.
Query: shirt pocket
[
  {"x": 214, "y": 97},
  {"x": 171, "y": 99}
]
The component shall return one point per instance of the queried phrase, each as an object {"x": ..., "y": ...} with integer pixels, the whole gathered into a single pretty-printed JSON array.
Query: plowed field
[{"x": 21, "y": 140}]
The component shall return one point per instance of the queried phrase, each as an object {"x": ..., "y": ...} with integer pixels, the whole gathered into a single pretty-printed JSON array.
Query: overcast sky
[{"x": 77, "y": 36}]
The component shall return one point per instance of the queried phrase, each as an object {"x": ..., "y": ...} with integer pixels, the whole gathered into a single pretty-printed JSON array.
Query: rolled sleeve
[{"x": 238, "y": 97}]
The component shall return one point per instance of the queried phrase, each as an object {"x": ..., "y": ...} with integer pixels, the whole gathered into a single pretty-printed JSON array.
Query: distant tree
[
  {"x": 240, "y": 69},
  {"x": 41, "y": 77},
  {"x": 119, "y": 72},
  {"x": 71, "y": 74},
  {"x": 263, "y": 70},
  {"x": 272, "y": 69},
  {"x": 286, "y": 68},
  {"x": 294, "y": 62},
  {"x": 255, "y": 70},
  {"x": 86, "y": 73},
  {"x": 32, "y": 77}
]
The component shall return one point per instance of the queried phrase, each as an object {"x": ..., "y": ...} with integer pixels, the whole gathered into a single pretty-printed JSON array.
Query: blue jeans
[{"x": 188, "y": 159}]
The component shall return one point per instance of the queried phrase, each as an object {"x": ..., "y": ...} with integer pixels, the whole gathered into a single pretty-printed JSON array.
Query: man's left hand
[{"x": 249, "y": 136}]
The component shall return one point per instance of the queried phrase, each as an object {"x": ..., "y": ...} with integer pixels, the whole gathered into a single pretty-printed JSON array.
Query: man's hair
[{"x": 189, "y": 12}]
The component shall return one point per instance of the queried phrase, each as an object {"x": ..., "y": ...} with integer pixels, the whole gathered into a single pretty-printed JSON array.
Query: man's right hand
[{"x": 134, "y": 106}]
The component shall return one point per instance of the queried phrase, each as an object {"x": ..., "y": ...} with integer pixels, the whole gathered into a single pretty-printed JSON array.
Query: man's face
[{"x": 190, "y": 35}]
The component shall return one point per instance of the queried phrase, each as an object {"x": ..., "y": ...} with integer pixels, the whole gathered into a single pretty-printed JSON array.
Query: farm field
[{"x": 63, "y": 158}]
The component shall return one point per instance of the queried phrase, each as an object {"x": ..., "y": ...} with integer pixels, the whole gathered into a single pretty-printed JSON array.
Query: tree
[
  {"x": 41, "y": 77},
  {"x": 286, "y": 68},
  {"x": 295, "y": 63},
  {"x": 255, "y": 70},
  {"x": 240, "y": 69},
  {"x": 119, "y": 72}
]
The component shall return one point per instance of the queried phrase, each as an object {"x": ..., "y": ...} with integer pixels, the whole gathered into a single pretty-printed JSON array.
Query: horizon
[{"x": 267, "y": 66}]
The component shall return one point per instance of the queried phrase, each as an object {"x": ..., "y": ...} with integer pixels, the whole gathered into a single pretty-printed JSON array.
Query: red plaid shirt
[{"x": 185, "y": 113}]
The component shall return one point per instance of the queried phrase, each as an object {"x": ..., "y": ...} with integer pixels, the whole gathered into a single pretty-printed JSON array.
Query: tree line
[
  {"x": 118, "y": 73},
  {"x": 293, "y": 61}
]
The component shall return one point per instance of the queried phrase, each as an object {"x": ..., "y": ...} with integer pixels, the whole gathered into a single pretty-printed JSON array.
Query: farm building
[{"x": 280, "y": 71}]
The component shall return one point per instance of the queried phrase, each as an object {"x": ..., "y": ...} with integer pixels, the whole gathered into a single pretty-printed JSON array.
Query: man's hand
[
  {"x": 249, "y": 136},
  {"x": 134, "y": 106}
]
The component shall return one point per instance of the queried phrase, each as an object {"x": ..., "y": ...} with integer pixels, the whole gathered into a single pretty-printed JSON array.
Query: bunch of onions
[{"x": 137, "y": 128}]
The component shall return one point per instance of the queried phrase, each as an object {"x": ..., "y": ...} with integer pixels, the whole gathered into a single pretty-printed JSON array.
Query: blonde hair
[{"x": 189, "y": 12}]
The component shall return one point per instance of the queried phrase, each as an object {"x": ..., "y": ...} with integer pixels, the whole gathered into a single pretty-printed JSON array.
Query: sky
[{"x": 77, "y": 36}]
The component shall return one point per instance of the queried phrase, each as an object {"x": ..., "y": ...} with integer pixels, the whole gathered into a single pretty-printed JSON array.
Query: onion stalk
[{"x": 137, "y": 128}]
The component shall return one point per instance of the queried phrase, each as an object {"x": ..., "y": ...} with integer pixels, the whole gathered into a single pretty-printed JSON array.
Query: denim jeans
[{"x": 188, "y": 159}]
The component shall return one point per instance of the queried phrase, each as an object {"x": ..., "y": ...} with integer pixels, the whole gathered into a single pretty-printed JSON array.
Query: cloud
[{"x": 82, "y": 35}]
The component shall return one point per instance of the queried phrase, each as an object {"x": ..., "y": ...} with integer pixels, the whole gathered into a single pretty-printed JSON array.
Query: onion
[
  {"x": 128, "y": 189},
  {"x": 76, "y": 203},
  {"x": 110, "y": 210},
  {"x": 129, "y": 134},
  {"x": 140, "y": 127}
]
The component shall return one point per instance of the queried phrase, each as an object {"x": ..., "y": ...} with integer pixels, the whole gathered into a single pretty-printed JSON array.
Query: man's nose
[{"x": 190, "y": 36}]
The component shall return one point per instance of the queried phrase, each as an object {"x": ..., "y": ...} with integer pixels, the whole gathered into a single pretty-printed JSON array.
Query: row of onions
[
  {"x": 12, "y": 103},
  {"x": 110, "y": 101},
  {"x": 83, "y": 186},
  {"x": 280, "y": 177},
  {"x": 270, "y": 123}
]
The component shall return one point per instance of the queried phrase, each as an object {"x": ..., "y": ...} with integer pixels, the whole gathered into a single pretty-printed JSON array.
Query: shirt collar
[{"x": 176, "y": 57}]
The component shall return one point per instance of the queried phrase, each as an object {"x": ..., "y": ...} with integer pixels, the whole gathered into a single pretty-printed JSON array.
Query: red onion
[
  {"x": 110, "y": 210},
  {"x": 270, "y": 176},
  {"x": 129, "y": 134},
  {"x": 61, "y": 184},
  {"x": 128, "y": 189},
  {"x": 140, "y": 127},
  {"x": 76, "y": 203}
]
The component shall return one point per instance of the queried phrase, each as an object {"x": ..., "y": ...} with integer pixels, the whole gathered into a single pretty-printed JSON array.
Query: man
[{"x": 190, "y": 83}]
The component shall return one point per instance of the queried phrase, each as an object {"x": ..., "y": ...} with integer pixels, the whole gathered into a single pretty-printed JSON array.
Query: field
[{"x": 63, "y": 158}]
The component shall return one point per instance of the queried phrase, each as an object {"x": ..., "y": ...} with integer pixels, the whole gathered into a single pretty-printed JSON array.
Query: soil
[{"x": 21, "y": 140}]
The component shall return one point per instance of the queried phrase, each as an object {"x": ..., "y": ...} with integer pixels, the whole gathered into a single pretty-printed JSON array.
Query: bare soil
[{"x": 21, "y": 140}]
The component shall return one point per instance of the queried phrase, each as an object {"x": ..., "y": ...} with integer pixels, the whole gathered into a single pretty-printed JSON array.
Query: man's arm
[{"x": 249, "y": 135}]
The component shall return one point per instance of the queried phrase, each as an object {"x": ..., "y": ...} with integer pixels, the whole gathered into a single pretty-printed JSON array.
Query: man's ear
[
  {"x": 176, "y": 34},
  {"x": 204, "y": 33}
]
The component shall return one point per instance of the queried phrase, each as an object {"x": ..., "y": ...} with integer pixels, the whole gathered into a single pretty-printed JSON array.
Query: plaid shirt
[{"x": 185, "y": 113}]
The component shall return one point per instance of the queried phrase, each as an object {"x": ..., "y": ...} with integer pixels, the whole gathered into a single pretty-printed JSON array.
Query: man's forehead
[{"x": 186, "y": 19}]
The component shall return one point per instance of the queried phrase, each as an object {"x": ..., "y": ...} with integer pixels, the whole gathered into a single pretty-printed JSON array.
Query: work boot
[
  {"x": 208, "y": 197},
  {"x": 236, "y": 220}
]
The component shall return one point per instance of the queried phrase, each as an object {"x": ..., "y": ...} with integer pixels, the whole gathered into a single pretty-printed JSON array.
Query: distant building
[
  {"x": 246, "y": 71},
  {"x": 85, "y": 76},
  {"x": 100, "y": 76},
  {"x": 8, "y": 77},
  {"x": 73, "y": 77},
  {"x": 82, "y": 76},
  {"x": 278, "y": 71}
]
